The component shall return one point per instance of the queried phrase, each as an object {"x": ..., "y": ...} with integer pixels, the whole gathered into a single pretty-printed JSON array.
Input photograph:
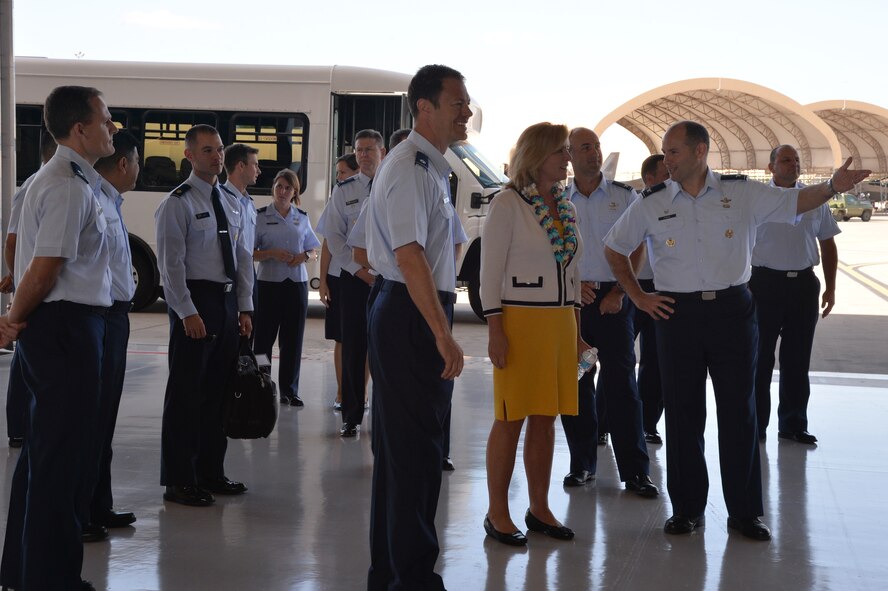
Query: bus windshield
[{"x": 480, "y": 167}]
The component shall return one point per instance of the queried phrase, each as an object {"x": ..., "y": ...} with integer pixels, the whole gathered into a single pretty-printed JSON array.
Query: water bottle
[{"x": 587, "y": 360}]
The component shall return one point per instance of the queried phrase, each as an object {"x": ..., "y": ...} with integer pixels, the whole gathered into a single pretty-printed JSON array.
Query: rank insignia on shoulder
[
  {"x": 262, "y": 209},
  {"x": 346, "y": 181},
  {"x": 202, "y": 215},
  {"x": 227, "y": 190},
  {"x": 733, "y": 177},
  {"x": 75, "y": 168},
  {"x": 181, "y": 190},
  {"x": 621, "y": 185},
  {"x": 650, "y": 191},
  {"x": 302, "y": 211},
  {"x": 422, "y": 160}
]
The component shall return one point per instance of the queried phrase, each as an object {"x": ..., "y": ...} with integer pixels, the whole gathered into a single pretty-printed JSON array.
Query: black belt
[
  {"x": 734, "y": 290},
  {"x": 210, "y": 285},
  {"x": 387, "y": 285},
  {"x": 121, "y": 307},
  {"x": 75, "y": 307},
  {"x": 778, "y": 273}
]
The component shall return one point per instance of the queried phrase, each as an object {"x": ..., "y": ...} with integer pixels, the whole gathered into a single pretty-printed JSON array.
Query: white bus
[{"x": 299, "y": 117}]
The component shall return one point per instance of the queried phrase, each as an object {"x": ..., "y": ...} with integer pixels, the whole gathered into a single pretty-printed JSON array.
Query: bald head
[{"x": 585, "y": 152}]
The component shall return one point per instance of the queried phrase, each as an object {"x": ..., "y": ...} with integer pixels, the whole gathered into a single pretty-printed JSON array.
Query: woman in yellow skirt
[{"x": 530, "y": 290}]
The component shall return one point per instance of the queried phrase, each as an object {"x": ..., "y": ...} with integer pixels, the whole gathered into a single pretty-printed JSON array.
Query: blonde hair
[
  {"x": 534, "y": 145},
  {"x": 289, "y": 176}
]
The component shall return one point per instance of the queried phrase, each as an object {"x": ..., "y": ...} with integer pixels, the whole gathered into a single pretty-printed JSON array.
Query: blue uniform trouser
[
  {"x": 718, "y": 335},
  {"x": 650, "y": 389},
  {"x": 61, "y": 350},
  {"x": 283, "y": 305},
  {"x": 16, "y": 398},
  {"x": 353, "y": 294},
  {"x": 410, "y": 401},
  {"x": 786, "y": 306},
  {"x": 613, "y": 335},
  {"x": 117, "y": 331},
  {"x": 193, "y": 442}
]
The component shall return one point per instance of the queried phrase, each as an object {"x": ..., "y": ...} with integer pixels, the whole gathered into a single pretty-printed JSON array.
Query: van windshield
[{"x": 486, "y": 174}]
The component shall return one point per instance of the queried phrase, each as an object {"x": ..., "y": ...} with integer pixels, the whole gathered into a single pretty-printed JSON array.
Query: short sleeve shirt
[{"x": 292, "y": 233}]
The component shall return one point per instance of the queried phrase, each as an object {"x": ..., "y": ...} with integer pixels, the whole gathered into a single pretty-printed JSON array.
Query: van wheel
[
  {"x": 147, "y": 280},
  {"x": 475, "y": 296},
  {"x": 866, "y": 215}
]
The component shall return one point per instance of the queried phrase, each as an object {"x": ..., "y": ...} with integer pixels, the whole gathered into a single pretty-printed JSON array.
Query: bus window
[
  {"x": 280, "y": 140},
  {"x": 164, "y": 148},
  {"x": 28, "y": 123}
]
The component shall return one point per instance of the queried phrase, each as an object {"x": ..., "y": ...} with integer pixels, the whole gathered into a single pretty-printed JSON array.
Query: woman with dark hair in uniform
[{"x": 284, "y": 242}]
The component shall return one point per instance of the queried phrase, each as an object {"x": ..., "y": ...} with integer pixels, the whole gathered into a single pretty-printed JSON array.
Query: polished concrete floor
[{"x": 303, "y": 524}]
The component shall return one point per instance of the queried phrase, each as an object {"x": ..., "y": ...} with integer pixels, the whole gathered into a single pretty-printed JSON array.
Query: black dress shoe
[
  {"x": 114, "y": 518},
  {"x": 800, "y": 437},
  {"x": 447, "y": 465},
  {"x": 580, "y": 478},
  {"x": 86, "y": 586},
  {"x": 682, "y": 524},
  {"x": 516, "y": 538},
  {"x": 642, "y": 486},
  {"x": 285, "y": 400},
  {"x": 188, "y": 495},
  {"x": 92, "y": 532},
  {"x": 602, "y": 439},
  {"x": 296, "y": 401},
  {"x": 653, "y": 437},
  {"x": 223, "y": 486},
  {"x": 16, "y": 441},
  {"x": 559, "y": 532},
  {"x": 763, "y": 437},
  {"x": 751, "y": 527},
  {"x": 348, "y": 430}
]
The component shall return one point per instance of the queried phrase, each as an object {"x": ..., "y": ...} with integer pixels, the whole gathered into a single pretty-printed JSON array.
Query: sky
[{"x": 570, "y": 62}]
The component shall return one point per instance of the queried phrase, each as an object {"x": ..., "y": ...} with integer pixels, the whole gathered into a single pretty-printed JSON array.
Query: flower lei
[{"x": 563, "y": 248}]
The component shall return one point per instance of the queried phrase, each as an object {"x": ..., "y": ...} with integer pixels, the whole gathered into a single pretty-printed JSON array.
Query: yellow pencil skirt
[{"x": 540, "y": 376}]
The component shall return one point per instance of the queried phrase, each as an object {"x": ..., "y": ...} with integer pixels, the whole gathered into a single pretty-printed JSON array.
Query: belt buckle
[
  {"x": 595, "y": 284},
  {"x": 792, "y": 273},
  {"x": 228, "y": 287},
  {"x": 708, "y": 296}
]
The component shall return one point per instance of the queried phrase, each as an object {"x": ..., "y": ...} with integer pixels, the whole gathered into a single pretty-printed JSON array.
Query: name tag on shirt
[
  {"x": 352, "y": 202},
  {"x": 666, "y": 217},
  {"x": 203, "y": 215}
]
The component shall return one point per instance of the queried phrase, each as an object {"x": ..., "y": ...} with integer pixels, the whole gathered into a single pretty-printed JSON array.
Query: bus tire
[{"x": 147, "y": 279}]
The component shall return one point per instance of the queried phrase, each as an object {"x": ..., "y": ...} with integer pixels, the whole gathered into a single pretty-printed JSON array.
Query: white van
[{"x": 298, "y": 117}]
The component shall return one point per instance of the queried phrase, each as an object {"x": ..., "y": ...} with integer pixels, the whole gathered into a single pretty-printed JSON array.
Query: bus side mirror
[{"x": 478, "y": 200}]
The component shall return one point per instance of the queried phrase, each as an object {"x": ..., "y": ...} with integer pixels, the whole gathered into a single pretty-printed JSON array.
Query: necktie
[{"x": 224, "y": 236}]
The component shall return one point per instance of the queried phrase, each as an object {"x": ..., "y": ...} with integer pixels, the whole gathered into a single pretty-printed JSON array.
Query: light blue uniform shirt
[
  {"x": 410, "y": 202},
  {"x": 248, "y": 211},
  {"x": 340, "y": 216},
  {"x": 334, "y": 269},
  {"x": 596, "y": 215},
  {"x": 792, "y": 248},
  {"x": 703, "y": 243},
  {"x": 292, "y": 233},
  {"x": 357, "y": 238},
  {"x": 188, "y": 245},
  {"x": 15, "y": 210},
  {"x": 123, "y": 287},
  {"x": 61, "y": 217}
]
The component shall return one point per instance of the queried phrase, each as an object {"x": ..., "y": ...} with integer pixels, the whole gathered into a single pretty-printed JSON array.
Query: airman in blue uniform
[
  {"x": 63, "y": 292},
  {"x": 699, "y": 228},
  {"x": 410, "y": 244}
]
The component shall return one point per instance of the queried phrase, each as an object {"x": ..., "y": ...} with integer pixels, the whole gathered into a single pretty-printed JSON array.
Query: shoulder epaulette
[
  {"x": 78, "y": 172},
  {"x": 181, "y": 190},
  {"x": 733, "y": 177},
  {"x": 302, "y": 211},
  {"x": 422, "y": 160},
  {"x": 229, "y": 191},
  {"x": 652, "y": 190},
  {"x": 262, "y": 209},
  {"x": 622, "y": 185},
  {"x": 346, "y": 181}
]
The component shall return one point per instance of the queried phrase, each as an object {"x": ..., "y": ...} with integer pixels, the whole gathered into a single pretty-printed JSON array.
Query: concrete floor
[{"x": 303, "y": 525}]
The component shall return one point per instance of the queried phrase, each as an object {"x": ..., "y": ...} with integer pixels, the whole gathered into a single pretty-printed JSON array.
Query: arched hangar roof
[
  {"x": 745, "y": 122},
  {"x": 862, "y": 131}
]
